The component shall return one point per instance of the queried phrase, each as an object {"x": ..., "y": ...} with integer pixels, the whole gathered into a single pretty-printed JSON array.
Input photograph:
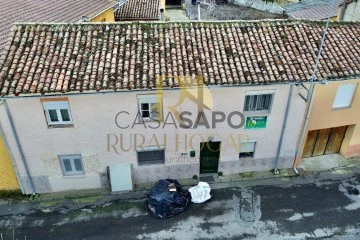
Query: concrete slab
[
  {"x": 327, "y": 162},
  {"x": 176, "y": 15}
]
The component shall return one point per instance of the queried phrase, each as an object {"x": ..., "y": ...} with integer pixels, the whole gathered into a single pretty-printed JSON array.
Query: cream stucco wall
[
  {"x": 107, "y": 16},
  {"x": 94, "y": 126},
  {"x": 324, "y": 116}
]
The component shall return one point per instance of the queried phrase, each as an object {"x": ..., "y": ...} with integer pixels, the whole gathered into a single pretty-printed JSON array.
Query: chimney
[{"x": 162, "y": 17}]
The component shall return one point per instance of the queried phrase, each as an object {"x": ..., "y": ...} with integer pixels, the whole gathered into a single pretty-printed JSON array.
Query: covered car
[{"x": 167, "y": 198}]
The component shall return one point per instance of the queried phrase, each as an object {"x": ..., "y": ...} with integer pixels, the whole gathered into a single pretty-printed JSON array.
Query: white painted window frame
[
  {"x": 57, "y": 106},
  {"x": 260, "y": 92},
  {"x": 254, "y": 151},
  {"x": 72, "y": 158},
  {"x": 151, "y": 100},
  {"x": 344, "y": 96}
]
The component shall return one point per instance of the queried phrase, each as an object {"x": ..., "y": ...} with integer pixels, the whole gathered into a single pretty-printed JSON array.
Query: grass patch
[
  {"x": 92, "y": 199},
  {"x": 247, "y": 175},
  {"x": 11, "y": 194}
]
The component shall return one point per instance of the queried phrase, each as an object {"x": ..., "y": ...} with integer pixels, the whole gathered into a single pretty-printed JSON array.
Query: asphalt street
[{"x": 326, "y": 210}]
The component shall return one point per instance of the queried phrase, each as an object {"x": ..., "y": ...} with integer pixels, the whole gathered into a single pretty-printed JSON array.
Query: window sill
[
  {"x": 61, "y": 126},
  {"x": 74, "y": 176},
  {"x": 257, "y": 113},
  {"x": 151, "y": 164},
  {"x": 340, "y": 108}
]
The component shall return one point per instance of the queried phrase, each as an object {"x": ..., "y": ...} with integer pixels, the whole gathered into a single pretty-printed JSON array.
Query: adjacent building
[
  {"x": 172, "y": 100},
  {"x": 43, "y": 11},
  {"x": 140, "y": 10},
  {"x": 320, "y": 10}
]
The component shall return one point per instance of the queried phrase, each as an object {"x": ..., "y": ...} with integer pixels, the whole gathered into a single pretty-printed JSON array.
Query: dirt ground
[{"x": 231, "y": 11}]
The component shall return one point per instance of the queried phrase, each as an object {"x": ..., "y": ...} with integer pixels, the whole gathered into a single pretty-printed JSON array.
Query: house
[
  {"x": 145, "y": 10},
  {"x": 334, "y": 123},
  {"x": 320, "y": 9},
  {"x": 173, "y": 99},
  {"x": 52, "y": 11},
  {"x": 43, "y": 11},
  {"x": 352, "y": 11}
]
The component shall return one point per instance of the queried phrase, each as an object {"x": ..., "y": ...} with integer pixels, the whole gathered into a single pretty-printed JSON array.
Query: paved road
[{"x": 329, "y": 210}]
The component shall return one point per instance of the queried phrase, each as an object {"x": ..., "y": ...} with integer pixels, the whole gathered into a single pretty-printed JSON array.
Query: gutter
[
  {"x": 18, "y": 145},
  {"x": 276, "y": 166},
  {"x": 2, "y": 134}
]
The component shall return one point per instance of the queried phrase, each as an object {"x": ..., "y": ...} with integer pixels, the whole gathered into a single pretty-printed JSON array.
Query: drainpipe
[
  {"x": 2, "y": 134},
  {"x": 18, "y": 145},
  {"x": 342, "y": 13},
  {"x": 276, "y": 167},
  {"x": 198, "y": 8},
  {"x": 162, "y": 17},
  {"x": 311, "y": 93}
]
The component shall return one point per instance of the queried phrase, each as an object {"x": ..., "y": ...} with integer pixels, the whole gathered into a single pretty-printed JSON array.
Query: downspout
[
  {"x": 343, "y": 9},
  {"x": 22, "y": 156},
  {"x": 276, "y": 167},
  {"x": 311, "y": 93},
  {"x": 2, "y": 134}
]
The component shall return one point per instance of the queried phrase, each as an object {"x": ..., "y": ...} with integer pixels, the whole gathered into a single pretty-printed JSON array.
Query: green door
[{"x": 209, "y": 157}]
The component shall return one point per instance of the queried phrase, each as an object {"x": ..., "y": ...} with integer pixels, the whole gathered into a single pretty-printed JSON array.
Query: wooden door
[
  {"x": 321, "y": 141},
  {"x": 324, "y": 141},
  {"x": 335, "y": 140},
  {"x": 310, "y": 143},
  {"x": 209, "y": 157}
]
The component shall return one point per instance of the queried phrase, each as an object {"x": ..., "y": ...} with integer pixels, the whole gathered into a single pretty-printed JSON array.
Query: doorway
[
  {"x": 324, "y": 141},
  {"x": 174, "y": 2},
  {"x": 209, "y": 157}
]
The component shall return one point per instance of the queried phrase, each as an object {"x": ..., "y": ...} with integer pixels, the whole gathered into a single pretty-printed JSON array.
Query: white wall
[
  {"x": 260, "y": 5},
  {"x": 94, "y": 118},
  {"x": 352, "y": 12}
]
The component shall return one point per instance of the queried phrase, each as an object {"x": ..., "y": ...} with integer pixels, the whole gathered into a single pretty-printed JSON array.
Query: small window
[
  {"x": 247, "y": 149},
  {"x": 258, "y": 102},
  {"x": 71, "y": 164},
  {"x": 57, "y": 113},
  {"x": 156, "y": 156},
  {"x": 150, "y": 107},
  {"x": 344, "y": 96}
]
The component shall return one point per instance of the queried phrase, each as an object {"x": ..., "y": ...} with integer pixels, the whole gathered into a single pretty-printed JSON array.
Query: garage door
[{"x": 324, "y": 141}]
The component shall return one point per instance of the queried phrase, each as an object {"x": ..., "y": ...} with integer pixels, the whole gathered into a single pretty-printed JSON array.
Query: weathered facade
[
  {"x": 334, "y": 123},
  {"x": 86, "y": 96}
]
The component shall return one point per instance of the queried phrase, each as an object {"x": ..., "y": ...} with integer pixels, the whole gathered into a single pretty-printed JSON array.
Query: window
[
  {"x": 247, "y": 149},
  {"x": 57, "y": 113},
  {"x": 258, "y": 102},
  {"x": 71, "y": 164},
  {"x": 155, "y": 156},
  {"x": 344, "y": 96},
  {"x": 150, "y": 107}
]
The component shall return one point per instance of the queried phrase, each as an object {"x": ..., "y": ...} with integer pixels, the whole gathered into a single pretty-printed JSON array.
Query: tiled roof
[
  {"x": 138, "y": 9},
  {"x": 46, "y": 11},
  {"x": 83, "y": 57},
  {"x": 313, "y": 9}
]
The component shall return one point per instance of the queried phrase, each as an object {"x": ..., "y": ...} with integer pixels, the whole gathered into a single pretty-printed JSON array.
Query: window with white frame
[
  {"x": 344, "y": 96},
  {"x": 57, "y": 113},
  {"x": 71, "y": 164},
  {"x": 247, "y": 149},
  {"x": 151, "y": 156},
  {"x": 258, "y": 101},
  {"x": 150, "y": 107}
]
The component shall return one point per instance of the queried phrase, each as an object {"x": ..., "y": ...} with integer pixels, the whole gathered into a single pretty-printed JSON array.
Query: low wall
[{"x": 260, "y": 5}]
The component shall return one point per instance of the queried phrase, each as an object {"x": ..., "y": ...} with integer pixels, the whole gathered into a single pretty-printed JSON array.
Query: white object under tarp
[{"x": 200, "y": 193}]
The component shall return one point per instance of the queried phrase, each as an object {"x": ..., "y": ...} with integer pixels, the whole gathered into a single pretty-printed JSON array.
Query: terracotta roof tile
[
  {"x": 50, "y": 58},
  {"x": 138, "y": 9},
  {"x": 46, "y": 11}
]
